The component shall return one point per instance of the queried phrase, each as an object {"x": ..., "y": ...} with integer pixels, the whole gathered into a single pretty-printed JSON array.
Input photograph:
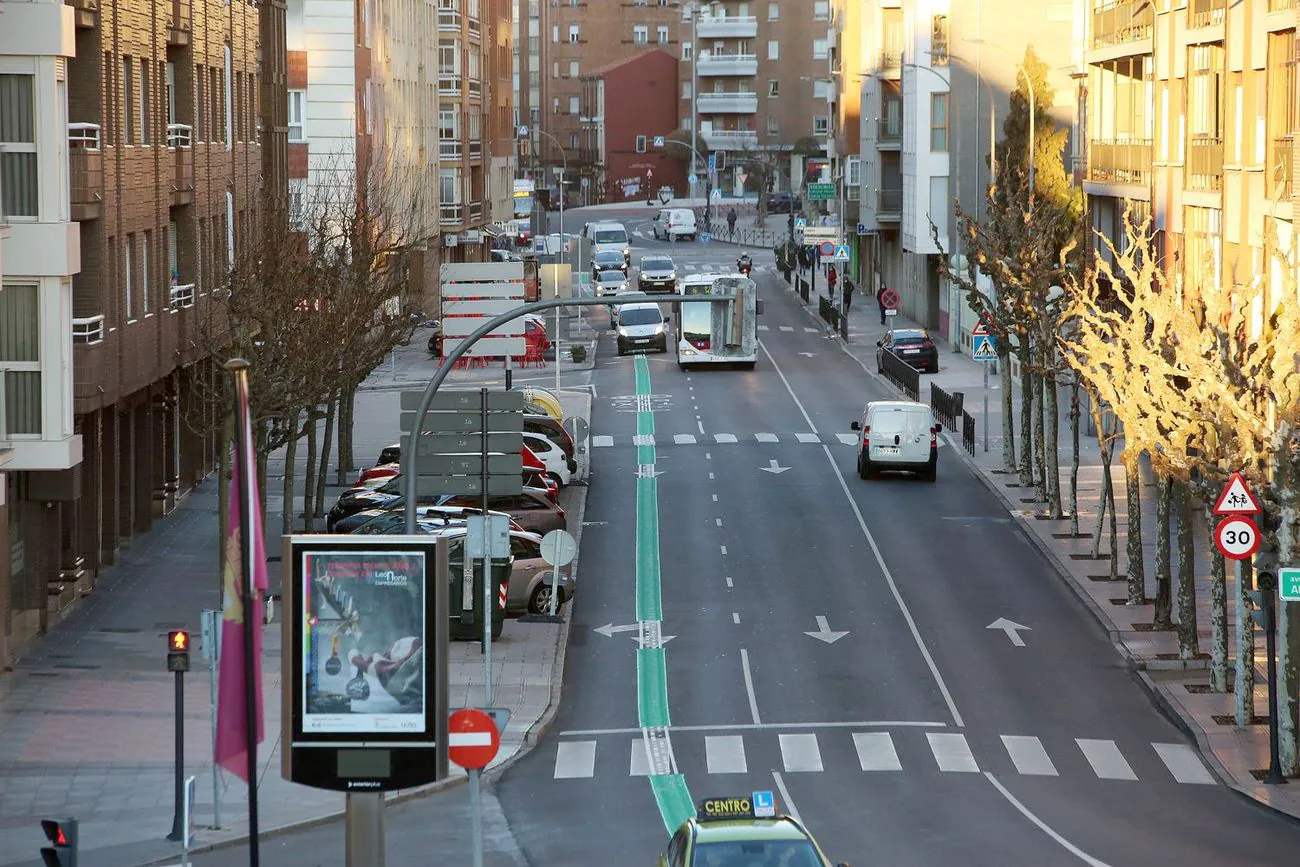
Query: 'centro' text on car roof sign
[{"x": 758, "y": 806}]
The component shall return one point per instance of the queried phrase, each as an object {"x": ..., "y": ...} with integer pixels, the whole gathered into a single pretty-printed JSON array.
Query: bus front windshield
[
  {"x": 696, "y": 323},
  {"x": 523, "y": 207}
]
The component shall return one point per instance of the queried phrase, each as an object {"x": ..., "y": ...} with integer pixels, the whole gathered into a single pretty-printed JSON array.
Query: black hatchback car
[{"x": 912, "y": 345}]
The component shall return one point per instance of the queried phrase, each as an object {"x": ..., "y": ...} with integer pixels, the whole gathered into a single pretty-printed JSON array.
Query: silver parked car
[{"x": 529, "y": 590}]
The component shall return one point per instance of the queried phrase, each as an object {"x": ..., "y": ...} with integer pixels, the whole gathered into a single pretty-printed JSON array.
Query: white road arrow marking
[
  {"x": 1011, "y": 628},
  {"x": 809, "y": 354},
  {"x": 825, "y": 633},
  {"x": 774, "y": 468},
  {"x": 663, "y": 639},
  {"x": 609, "y": 629}
]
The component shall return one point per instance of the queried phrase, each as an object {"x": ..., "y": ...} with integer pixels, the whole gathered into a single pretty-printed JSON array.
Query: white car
[
  {"x": 674, "y": 223},
  {"x": 611, "y": 283},
  {"x": 551, "y": 456},
  {"x": 641, "y": 327},
  {"x": 898, "y": 435},
  {"x": 608, "y": 235}
]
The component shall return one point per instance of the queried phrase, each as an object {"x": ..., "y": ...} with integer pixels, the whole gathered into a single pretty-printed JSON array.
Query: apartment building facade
[
  {"x": 528, "y": 83},
  {"x": 1191, "y": 118},
  {"x": 935, "y": 84}
]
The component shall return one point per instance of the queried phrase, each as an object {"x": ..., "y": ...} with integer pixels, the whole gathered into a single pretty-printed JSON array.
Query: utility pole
[{"x": 695, "y": 87}]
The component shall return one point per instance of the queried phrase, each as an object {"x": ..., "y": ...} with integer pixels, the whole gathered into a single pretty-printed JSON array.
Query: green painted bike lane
[{"x": 670, "y": 791}]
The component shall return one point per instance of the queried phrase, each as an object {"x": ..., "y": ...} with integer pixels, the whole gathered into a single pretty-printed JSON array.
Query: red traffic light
[
  {"x": 178, "y": 641},
  {"x": 54, "y": 832}
]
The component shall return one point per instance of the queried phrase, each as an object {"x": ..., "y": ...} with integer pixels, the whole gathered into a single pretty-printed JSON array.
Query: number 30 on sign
[{"x": 1237, "y": 538}]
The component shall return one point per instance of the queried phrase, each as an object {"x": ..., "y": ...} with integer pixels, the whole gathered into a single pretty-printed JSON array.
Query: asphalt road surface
[{"x": 903, "y": 731}]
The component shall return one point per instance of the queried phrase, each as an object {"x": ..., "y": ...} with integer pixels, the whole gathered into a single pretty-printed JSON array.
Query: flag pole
[{"x": 244, "y": 471}]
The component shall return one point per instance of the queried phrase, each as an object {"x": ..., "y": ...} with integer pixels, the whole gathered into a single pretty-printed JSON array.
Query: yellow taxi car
[{"x": 742, "y": 831}]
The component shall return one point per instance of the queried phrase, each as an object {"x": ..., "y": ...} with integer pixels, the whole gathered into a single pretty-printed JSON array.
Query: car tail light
[
  {"x": 866, "y": 434},
  {"x": 927, "y": 345},
  {"x": 934, "y": 439}
]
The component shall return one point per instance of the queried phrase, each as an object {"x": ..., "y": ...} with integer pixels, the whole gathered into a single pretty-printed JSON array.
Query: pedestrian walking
[
  {"x": 731, "y": 222},
  {"x": 880, "y": 299},
  {"x": 831, "y": 279},
  {"x": 848, "y": 294}
]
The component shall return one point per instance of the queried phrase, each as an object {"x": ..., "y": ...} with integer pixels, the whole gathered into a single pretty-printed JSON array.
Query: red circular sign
[
  {"x": 1237, "y": 538},
  {"x": 890, "y": 299},
  {"x": 827, "y": 248},
  {"x": 472, "y": 739}
]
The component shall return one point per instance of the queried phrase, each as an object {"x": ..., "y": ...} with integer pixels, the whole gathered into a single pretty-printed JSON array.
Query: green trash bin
[{"x": 467, "y": 625}]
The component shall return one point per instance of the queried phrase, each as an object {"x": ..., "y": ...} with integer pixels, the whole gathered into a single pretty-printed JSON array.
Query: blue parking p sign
[{"x": 764, "y": 805}]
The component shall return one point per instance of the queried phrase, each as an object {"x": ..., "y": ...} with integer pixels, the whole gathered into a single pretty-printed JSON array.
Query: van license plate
[{"x": 887, "y": 450}]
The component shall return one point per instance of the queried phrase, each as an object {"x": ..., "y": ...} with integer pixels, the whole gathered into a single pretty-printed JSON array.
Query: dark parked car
[
  {"x": 607, "y": 260},
  {"x": 912, "y": 345},
  {"x": 781, "y": 203}
]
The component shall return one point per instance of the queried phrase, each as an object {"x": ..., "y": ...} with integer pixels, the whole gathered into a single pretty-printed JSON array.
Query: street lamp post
[
  {"x": 695, "y": 87},
  {"x": 564, "y": 254}
]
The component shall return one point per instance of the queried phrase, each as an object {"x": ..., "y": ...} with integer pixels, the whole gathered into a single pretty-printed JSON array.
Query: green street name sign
[
  {"x": 821, "y": 191},
  {"x": 1288, "y": 584}
]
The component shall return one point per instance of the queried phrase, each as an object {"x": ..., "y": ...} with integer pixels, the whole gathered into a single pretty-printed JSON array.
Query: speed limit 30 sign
[{"x": 1237, "y": 538}]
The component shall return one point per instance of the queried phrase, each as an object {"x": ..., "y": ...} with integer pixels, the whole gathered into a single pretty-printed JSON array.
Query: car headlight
[
  {"x": 661, "y": 328},
  {"x": 622, "y": 332}
]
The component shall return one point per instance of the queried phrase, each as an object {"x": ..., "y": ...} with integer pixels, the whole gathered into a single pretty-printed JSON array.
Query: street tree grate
[
  {"x": 1124, "y": 601},
  {"x": 1204, "y": 689}
]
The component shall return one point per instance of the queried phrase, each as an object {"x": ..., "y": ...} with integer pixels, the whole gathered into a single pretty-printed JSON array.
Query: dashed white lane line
[
  {"x": 729, "y": 583},
  {"x": 715, "y": 498},
  {"x": 724, "y": 550},
  {"x": 749, "y": 685},
  {"x": 717, "y": 521},
  {"x": 787, "y": 328},
  {"x": 735, "y": 617}
]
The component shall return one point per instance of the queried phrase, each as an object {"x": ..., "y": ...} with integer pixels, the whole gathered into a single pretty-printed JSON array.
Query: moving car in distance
[
  {"x": 898, "y": 435},
  {"x": 607, "y": 260},
  {"x": 656, "y": 274},
  {"x": 913, "y": 345},
  {"x": 742, "y": 830},
  {"x": 641, "y": 328}
]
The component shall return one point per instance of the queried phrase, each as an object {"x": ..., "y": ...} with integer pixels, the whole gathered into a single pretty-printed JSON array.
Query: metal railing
[
  {"x": 1279, "y": 174},
  {"x": 476, "y": 210},
  {"x": 88, "y": 330},
  {"x": 1205, "y": 164},
  {"x": 1120, "y": 162},
  {"x": 449, "y": 84},
  {"x": 891, "y": 129},
  {"x": 904, "y": 376},
  {"x": 83, "y": 136},
  {"x": 829, "y": 313},
  {"x": 182, "y": 296},
  {"x": 946, "y": 407},
  {"x": 968, "y": 433},
  {"x": 1203, "y": 13},
  {"x": 1115, "y": 22},
  {"x": 451, "y": 212},
  {"x": 449, "y": 148},
  {"x": 180, "y": 135},
  {"x": 889, "y": 202},
  {"x": 475, "y": 148},
  {"x": 891, "y": 57},
  {"x": 475, "y": 87}
]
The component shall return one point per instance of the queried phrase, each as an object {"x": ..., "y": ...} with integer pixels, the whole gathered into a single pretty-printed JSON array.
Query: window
[
  {"x": 821, "y": 10},
  {"x": 18, "y": 161},
  {"x": 230, "y": 74},
  {"x": 144, "y": 101},
  {"x": 687, "y": 52},
  {"x": 297, "y": 115},
  {"x": 555, "y": 33},
  {"x": 938, "y": 121},
  {"x": 129, "y": 106},
  {"x": 146, "y": 304},
  {"x": 200, "y": 115},
  {"x": 853, "y": 177},
  {"x": 230, "y": 229},
  {"x": 640, "y": 144},
  {"x": 20, "y": 358},
  {"x": 822, "y": 89},
  {"x": 200, "y": 251},
  {"x": 573, "y": 69},
  {"x": 939, "y": 40},
  {"x": 821, "y": 124},
  {"x": 573, "y": 139},
  {"x": 169, "y": 86},
  {"x": 820, "y": 49},
  {"x": 297, "y": 201},
  {"x": 448, "y": 186},
  {"x": 686, "y": 90},
  {"x": 774, "y": 88},
  {"x": 773, "y": 50},
  {"x": 640, "y": 34},
  {"x": 661, "y": 34},
  {"x": 573, "y": 33},
  {"x": 555, "y": 105},
  {"x": 773, "y": 11},
  {"x": 773, "y": 125},
  {"x": 128, "y": 273},
  {"x": 573, "y": 105}
]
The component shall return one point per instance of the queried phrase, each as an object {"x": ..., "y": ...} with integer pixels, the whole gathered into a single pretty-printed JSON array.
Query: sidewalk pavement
[
  {"x": 87, "y": 717},
  {"x": 1180, "y": 687}
]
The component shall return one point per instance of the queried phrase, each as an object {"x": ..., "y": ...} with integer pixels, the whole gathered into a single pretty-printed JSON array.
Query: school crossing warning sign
[{"x": 982, "y": 345}]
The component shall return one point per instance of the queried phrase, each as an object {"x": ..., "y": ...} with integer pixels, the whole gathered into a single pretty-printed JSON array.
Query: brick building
[{"x": 625, "y": 106}]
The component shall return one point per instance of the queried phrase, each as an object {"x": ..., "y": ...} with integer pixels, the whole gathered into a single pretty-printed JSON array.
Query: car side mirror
[
  {"x": 855, "y": 425},
  {"x": 758, "y": 306},
  {"x": 667, "y": 319},
  {"x": 842, "y": 864},
  {"x": 880, "y": 343},
  {"x": 938, "y": 428}
]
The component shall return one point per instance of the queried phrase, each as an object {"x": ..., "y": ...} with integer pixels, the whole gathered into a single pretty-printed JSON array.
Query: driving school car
[{"x": 742, "y": 829}]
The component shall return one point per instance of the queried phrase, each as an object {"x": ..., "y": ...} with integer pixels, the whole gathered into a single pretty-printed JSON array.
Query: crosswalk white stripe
[
  {"x": 1029, "y": 756},
  {"x": 1183, "y": 763},
  {"x": 725, "y": 438},
  {"x": 1107, "y": 761},
  {"x": 601, "y": 442},
  {"x": 575, "y": 760},
  {"x": 847, "y": 439},
  {"x": 684, "y": 439},
  {"x": 951, "y": 752},
  {"x": 876, "y": 751},
  {"x": 809, "y": 329},
  {"x": 787, "y": 328},
  {"x": 640, "y": 764},
  {"x": 799, "y": 752},
  {"x": 763, "y": 328},
  {"x": 643, "y": 440},
  {"x": 808, "y": 437},
  {"x": 725, "y": 754},
  {"x": 766, "y": 437}
]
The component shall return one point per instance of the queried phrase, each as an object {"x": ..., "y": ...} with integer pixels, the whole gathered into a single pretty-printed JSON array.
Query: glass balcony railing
[
  {"x": 889, "y": 203},
  {"x": 1204, "y": 13},
  {"x": 1204, "y": 164},
  {"x": 1279, "y": 174},
  {"x": 88, "y": 329},
  {"x": 1120, "y": 162},
  {"x": 1116, "y": 22}
]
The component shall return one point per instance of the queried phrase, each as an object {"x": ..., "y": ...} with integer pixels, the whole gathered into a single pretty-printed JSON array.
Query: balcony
[
  {"x": 738, "y": 102},
  {"x": 87, "y": 331},
  {"x": 891, "y": 60},
  {"x": 724, "y": 27},
  {"x": 448, "y": 83},
  {"x": 449, "y": 148},
  {"x": 451, "y": 213},
  {"x": 476, "y": 149},
  {"x": 1121, "y": 22},
  {"x": 475, "y": 212},
  {"x": 889, "y": 205},
  {"x": 1280, "y": 5},
  {"x": 85, "y": 171},
  {"x": 181, "y": 296},
  {"x": 178, "y": 24},
  {"x": 475, "y": 88},
  {"x": 449, "y": 15},
  {"x": 85, "y": 13},
  {"x": 1206, "y": 13},
  {"x": 728, "y": 64},
  {"x": 1120, "y": 162},
  {"x": 730, "y": 139},
  {"x": 1279, "y": 172},
  {"x": 180, "y": 139},
  {"x": 889, "y": 134},
  {"x": 1204, "y": 165}
]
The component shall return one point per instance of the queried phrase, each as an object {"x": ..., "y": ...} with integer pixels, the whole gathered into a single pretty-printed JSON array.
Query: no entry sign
[
  {"x": 1237, "y": 538},
  {"x": 890, "y": 299},
  {"x": 472, "y": 739}
]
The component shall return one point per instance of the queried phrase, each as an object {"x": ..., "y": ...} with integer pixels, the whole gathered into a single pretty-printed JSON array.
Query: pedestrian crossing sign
[
  {"x": 983, "y": 348},
  {"x": 801, "y": 223},
  {"x": 841, "y": 253}
]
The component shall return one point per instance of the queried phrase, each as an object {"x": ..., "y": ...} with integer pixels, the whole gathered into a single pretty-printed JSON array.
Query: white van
[
  {"x": 898, "y": 435},
  {"x": 674, "y": 223},
  {"x": 608, "y": 236},
  {"x": 641, "y": 327}
]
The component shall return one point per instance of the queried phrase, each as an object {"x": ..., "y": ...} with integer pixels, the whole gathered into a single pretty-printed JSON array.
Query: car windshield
[
  {"x": 609, "y": 258},
  {"x": 612, "y": 277},
  {"x": 656, "y": 265},
  {"x": 610, "y": 236},
  {"x": 900, "y": 421},
  {"x": 779, "y": 853},
  {"x": 910, "y": 337},
  {"x": 639, "y": 316}
]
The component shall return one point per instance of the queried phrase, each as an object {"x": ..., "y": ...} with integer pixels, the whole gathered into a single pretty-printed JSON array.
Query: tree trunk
[
  {"x": 1106, "y": 445},
  {"x": 1189, "y": 646},
  {"x": 1137, "y": 579},
  {"x": 1164, "y": 603},
  {"x": 347, "y": 403},
  {"x": 331, "y": 414},
  {"x": 1244, "y": 675},
  {"x": 309, "y": 474},
  {"x": 1008, "y": 414},
  {"x": 1026, "y": 418},
  {"x": 1288, "y": 625},
  {"x": 1074, "y": 458},
  {"x": 1218, "y": 614},
  {"x": 1040, "y": 443},
  {"x": 290, "y": 477},
  {"x": 1114, "y": 522},
  {"x": 1052, "y": 457}
]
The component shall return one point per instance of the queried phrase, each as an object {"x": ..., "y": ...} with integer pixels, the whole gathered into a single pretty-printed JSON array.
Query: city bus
[{"x": 718, "y": 333}]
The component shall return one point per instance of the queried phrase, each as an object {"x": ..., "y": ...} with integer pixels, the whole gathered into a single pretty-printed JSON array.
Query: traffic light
[
  {"x": 62, "y": 835},
  {"x": 178, "y": 650}
]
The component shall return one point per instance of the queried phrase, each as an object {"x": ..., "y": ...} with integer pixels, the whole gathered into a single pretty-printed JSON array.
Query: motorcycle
[{"x": 744, "y": 266}]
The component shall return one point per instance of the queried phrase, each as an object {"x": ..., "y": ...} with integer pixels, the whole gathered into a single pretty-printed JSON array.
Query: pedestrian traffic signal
[
  {"x": 178, "y": 650},
  {"x": 62, "y": 835}
]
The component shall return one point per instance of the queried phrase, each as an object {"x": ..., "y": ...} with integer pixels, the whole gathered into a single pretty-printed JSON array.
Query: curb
[{"x": 1138, "y": 667}]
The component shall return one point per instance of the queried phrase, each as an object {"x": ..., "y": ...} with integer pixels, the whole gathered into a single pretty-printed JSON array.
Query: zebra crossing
[
  {"x": 884, "y": 752},
  {"x": 686, "y": 439}
]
